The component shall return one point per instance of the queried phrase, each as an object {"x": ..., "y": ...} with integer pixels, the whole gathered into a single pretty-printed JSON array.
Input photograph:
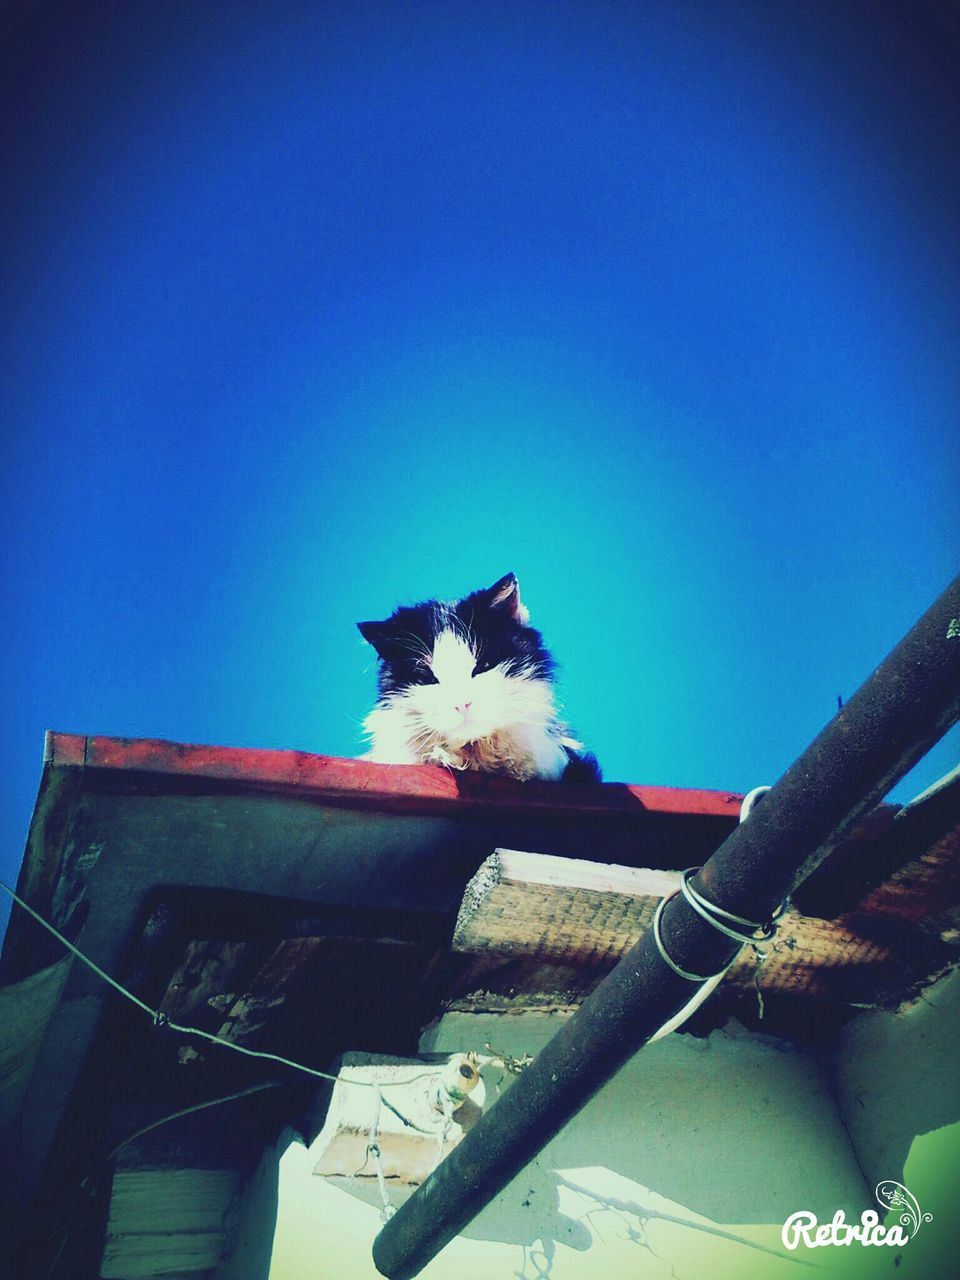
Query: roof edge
[{"x": 367, "y": 784}]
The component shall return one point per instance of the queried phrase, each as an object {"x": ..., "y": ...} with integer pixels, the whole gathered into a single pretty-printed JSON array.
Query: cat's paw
[{"x": 439, "y": 755}]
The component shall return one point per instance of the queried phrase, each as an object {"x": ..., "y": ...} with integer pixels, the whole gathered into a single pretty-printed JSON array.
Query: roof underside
[{"x": 307, "y": 905}]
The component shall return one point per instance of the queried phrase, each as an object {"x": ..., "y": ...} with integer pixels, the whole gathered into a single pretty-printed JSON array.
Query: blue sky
[{"x": 312, "y": 309}]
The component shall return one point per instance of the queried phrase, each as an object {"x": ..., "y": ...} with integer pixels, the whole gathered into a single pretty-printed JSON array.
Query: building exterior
[{"x": 375, "y": 921}]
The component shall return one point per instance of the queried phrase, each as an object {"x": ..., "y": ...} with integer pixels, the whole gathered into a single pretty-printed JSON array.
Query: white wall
[
  {"x": 693, "y": 1138},
  {"x": 899, "y": 1076}
]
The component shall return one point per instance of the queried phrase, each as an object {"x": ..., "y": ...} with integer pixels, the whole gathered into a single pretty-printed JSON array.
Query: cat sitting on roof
[{"x": 469, "y": 684}]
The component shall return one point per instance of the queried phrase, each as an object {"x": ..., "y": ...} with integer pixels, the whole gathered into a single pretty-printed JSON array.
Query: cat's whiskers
[
  {"x": 421, "y": 737},
  {"x": 465, "y": 631},
  {"x": 418, "y": 647},
  {"x": 424, "y": 743}
]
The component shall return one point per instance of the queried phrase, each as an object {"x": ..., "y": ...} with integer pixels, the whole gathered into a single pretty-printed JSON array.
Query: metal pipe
[{"x": 900, "y": 711}]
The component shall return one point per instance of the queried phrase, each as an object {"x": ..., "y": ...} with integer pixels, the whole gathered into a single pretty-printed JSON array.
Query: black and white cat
[{"x": 469, "y": 684}]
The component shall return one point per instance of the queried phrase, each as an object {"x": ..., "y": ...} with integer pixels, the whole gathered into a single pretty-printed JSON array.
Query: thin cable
[
  {"x": 750, "y": 799},
  {"x": 751, "y": 932},
  {"x": 712, "y": 907},
  {"x": 187, "y": 1111},
  {"x": 78, "y": 953},
  {"x": 388, "y": 1209},
  {"x": 399, "y": 1115},
  {"x": 447, "y": 1107},
  {"x": 667, "y": 959},
  {"x": 373, "y": 1149},
  {"x": 161, "y": 1020}
]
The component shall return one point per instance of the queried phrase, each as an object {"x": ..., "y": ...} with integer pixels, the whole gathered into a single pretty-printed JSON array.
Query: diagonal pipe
[{"x": 899, "y": 712}]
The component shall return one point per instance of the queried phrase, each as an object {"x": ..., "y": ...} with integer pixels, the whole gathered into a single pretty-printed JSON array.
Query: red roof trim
[{"x": 368, "y": 785}]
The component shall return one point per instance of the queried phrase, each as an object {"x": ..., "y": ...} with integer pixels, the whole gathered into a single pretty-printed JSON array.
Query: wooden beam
[
  {"x": 542, "y": 911},
  {"x": 560, "y": 909}
]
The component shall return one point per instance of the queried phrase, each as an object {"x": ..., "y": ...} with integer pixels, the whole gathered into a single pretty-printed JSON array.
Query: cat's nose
[{"x": 463, "y": 708}]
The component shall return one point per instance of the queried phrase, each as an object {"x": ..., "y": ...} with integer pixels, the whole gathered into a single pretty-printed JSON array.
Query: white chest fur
[{"x": 520, "y": 751}]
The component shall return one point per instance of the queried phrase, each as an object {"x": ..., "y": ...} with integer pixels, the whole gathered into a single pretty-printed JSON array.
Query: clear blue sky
[{"x": 311, "y": 309}]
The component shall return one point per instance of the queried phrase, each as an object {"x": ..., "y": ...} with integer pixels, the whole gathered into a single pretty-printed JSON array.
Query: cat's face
[{"x": 465, "y": 670}]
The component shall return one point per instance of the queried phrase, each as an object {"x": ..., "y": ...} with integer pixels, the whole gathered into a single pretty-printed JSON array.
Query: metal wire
[
  {"x": 188, "y": 1111},
  {"x": 160, "y": 1019},
  {"x": 707, "y": 910},
  {"x": 667, "y": 959}
]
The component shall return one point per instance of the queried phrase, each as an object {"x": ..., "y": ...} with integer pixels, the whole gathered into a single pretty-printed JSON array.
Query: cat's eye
[
  {"x": 426, "y": 676},
  {"x": 482, "y": 665}
]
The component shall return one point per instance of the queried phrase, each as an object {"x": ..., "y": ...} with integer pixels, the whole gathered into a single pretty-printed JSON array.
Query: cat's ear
[
  {"x": 377, "y": 634},
  {"x": 504, "y": 596}
]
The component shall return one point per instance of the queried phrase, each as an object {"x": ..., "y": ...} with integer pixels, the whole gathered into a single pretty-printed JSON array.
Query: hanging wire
[
  {"x": 447, "y": 1109},
  {"x": 160, "y": 1019},
  {"x": 749, "y": 800},
  {"x": 390, "y": 1107},
  {"x": 188, "y": 1111},
  {"x": 738, "y": 928},
  {"x": 388, "y": 1209},
  {"x": 373, "y": 1149}
]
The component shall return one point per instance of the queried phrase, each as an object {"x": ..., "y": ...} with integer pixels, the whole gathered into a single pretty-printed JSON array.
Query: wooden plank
[
  {"x": 925, "y": 889},
  {"x": 417, "y": 787},
  {"x": 878, "y": 847},
  {"x": 167, "y": 1220},
  {"x": 571, "y": 911},
  {"x": 579, "y": 916}
]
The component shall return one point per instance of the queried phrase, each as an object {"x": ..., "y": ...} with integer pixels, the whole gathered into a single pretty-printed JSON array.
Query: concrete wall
[
  {"x": 898, "y": 1076},
  {"x": 684, "y": 1166},
  {"x": 687, "y": 1162}
]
